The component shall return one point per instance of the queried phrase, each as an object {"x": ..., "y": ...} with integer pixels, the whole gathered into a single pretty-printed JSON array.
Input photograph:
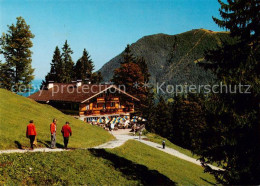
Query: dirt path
[
  {"x": 121, "y": 138},
  {"x": 176, "y": 153},
  {"x": 28, "y": 150}
]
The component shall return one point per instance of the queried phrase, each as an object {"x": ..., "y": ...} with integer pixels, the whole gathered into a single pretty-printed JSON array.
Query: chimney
[
  {"x": 50, "y": 85},
  {"x": 79, "y": 83}
]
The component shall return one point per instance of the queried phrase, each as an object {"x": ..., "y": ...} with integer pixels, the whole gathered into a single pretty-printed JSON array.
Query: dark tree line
[
  {"x": 233, "y": 119},
  {"x": 179, "y": 119},
  {"x": 64, "y": 70},
  {"x": 223, "y": 128}
]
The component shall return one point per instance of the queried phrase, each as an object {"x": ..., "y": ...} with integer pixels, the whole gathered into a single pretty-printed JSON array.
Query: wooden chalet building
[{"x": 89, "y": 101}]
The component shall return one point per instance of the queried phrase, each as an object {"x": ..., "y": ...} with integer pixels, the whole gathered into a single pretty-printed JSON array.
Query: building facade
[{"x": 88, "y": 101}]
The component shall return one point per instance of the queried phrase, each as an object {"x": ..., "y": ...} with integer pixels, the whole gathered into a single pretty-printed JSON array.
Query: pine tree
[
  {"x": 144, "y": 107},
  {"x": 84, "y": 67},
  {"x": 57, "y": 67},
  {"x": 134, "y": 75},
  {"x": 56, "y": 73},
  {"x": 79, "y": 70},
  {"x": 241, "y": 18},
  {"x": 128, "y": 56},
  {"x": 147, "y": 111},
  {"x": 96, "y": 78},
  {"x": 187, "y": 119},
  {"x": 144, "y": 68},
  {"x": 232, "y": 134},
  {"x": 88, "y": 64},
  {"x": 16, "y": 44},
  {"x": 130, "y": 75},
  {"x": 162, "y": 118},
  {"x": 68, "y": 63},
  {"x": 6, "y": 76}
]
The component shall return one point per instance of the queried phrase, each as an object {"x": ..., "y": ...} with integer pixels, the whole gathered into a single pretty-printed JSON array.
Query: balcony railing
[
  {"x": 100, "y": 111},
  {"x": 107, "y": 99}
]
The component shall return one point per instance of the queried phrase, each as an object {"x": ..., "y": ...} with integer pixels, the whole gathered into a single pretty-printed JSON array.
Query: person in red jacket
[
  {"x": 66, "y": 132},
  {"x": 31, "y": 133},
  {"x": 53, "y": 127}
]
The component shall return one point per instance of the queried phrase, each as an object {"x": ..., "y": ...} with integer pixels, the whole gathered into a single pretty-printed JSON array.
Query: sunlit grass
[
  {"x": 177, "y": 170},
  {"x": 133, "y": 163},
  {"x": 16, "y": 111}
]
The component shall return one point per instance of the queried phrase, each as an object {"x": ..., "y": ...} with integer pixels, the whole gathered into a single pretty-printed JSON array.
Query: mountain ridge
[{"x": 174, "y": 66}]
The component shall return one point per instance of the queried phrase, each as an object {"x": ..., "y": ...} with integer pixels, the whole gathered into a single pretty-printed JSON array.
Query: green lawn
[
  {"x": 59, "y": 168},
  {"x": 16, "y": 111},
  {"x": 133, "y": 163},
  {"x": 177, "y": 170}
]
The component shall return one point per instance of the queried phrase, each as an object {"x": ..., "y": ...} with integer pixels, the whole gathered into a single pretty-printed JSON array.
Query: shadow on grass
[
  {"x": 132, "y": 170},
  {"x": 18, "y": 145},
  {"x": 208, "y": 182},
  {"x": 159, "y": 147},
  {"x": 48, "y": 144}
]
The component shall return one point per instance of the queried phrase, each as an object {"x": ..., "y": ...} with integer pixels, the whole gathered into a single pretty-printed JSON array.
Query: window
[
  {"x": 87, "y": 107},
  {"x": 112, "y": 104}
]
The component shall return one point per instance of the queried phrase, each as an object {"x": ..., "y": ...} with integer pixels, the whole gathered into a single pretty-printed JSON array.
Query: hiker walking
[
  {"x": 31, "y": 132},
  {"x": 134, "y": 128},
  {"x": 53, "y": 128},
  {"x": 66, "y": 132},
  {"x": 163, "y": 144},
  {"x": 111, "y": 127},
  {"x": 140, "y": 134}
]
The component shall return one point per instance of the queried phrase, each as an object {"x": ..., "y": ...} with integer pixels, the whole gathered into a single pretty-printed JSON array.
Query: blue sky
[{"x": 103, "y": 27}]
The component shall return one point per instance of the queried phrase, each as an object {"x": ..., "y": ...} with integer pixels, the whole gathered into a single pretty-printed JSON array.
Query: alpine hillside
[{"x": 173, "y": 58}]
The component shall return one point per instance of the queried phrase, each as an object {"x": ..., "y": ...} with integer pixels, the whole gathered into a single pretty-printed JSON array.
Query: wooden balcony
[
  {"x": 111, "y": 110},
  {"x": 107, "y": 99},
  {"x": 101, "y": 100}
]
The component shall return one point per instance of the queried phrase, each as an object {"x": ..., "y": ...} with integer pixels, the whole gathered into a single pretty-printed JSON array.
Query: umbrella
[
  {"x": 113, "y": 120},
  {"x": 121, "y": 120},
  {"x": 118, "y": 119},
  {"x": 144, "y": 119},
  {"x": 134, "y": 120},
  {"x": 106, "y": 120},
  {"x": 100, "y": 120}
]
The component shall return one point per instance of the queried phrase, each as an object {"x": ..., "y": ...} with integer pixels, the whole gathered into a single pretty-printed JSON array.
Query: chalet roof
[{"x": 69, "y": 92}]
